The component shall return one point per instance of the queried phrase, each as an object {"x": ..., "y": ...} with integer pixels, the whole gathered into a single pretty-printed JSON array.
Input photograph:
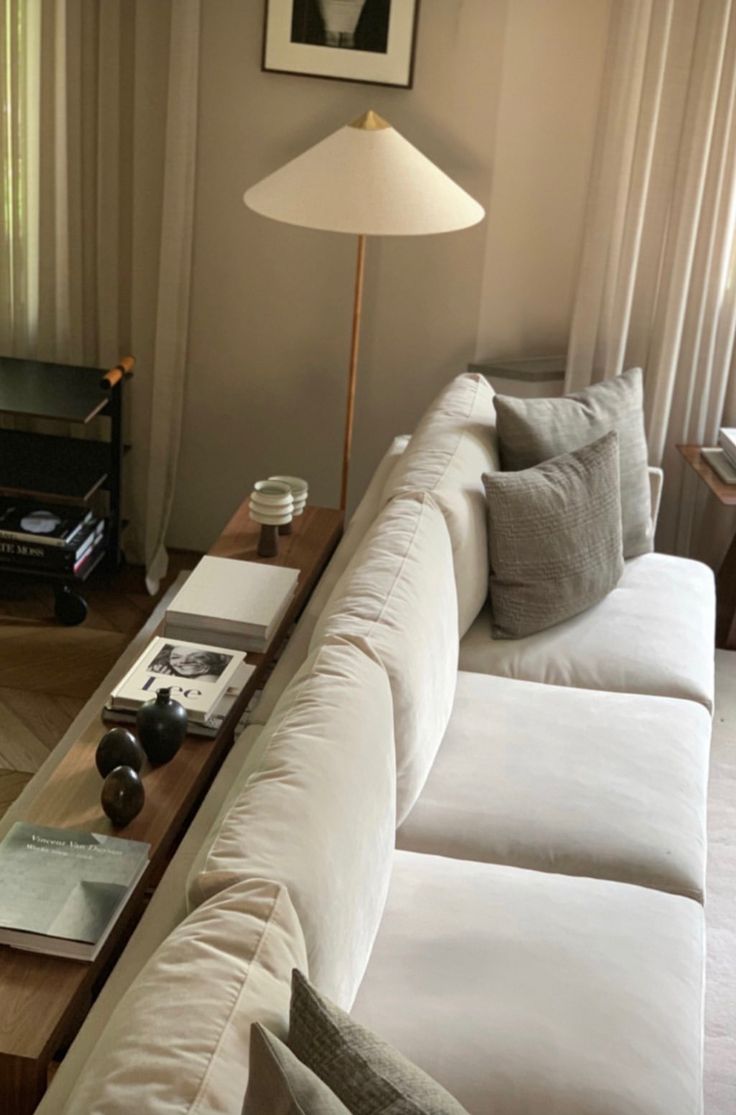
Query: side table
[
  {"x": 726, "y": 576},
  {"x": 45, "y": 998}
]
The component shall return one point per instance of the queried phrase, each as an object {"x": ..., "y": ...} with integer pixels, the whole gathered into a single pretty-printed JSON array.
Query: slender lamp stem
[{"x": 353, "y": 372}]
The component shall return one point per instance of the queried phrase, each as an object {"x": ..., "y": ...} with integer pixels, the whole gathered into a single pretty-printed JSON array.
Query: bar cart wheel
[{"x": 69, "y": 607}]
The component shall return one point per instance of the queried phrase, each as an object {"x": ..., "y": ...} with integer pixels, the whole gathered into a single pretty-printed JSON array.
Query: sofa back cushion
[
  {"x": 452, "y": 446},
  {"x": 178, "y": 1039},
  {"x": 319, "y": 814},
  {"x": 397, "y": 602}
]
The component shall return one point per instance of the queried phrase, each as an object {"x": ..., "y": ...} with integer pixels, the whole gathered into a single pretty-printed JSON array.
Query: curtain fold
[
  {"x": 97, "y": 163},
  {"x": 656, "y": 285}
]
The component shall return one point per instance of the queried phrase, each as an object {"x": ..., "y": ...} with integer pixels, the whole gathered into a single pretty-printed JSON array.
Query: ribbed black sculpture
[{"x": 162, "y": 726}]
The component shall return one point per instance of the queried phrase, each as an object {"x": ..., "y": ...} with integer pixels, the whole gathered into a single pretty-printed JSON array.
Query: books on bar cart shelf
[
  {"x": 197, "y": 675},
  {"x": 238, "y": 604},
  {"x": 47, "y": 525},
  {"x": 62, "y": 889},
  {"x": 207, "y": 728},
  {"x": 57, "y": 553}
]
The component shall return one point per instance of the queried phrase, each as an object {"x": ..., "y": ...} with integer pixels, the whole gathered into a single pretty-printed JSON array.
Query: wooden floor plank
[{"x": 45, "y": 715}]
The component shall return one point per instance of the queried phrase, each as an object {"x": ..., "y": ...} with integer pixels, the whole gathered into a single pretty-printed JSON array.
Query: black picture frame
[{"x": 379, "y": 50}]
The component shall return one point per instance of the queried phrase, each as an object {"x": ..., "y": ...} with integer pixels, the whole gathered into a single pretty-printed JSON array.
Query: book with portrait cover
[
  {"x": 197, "y": 675},
  {"x": 61, "y": 889},
  {"x": 207, "y": 728}
]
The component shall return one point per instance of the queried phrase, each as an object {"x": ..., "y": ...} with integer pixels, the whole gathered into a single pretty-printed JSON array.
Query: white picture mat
[{"x": 391, "y": 68}]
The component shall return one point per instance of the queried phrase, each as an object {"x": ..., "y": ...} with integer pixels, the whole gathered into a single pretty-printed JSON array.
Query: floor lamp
[{"x": 364, "y": 179}]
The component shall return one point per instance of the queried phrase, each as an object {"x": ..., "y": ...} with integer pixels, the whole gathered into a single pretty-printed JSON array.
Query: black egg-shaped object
[
  {"x": 119, "y": 748},
  {"x": 122, "y": 795},
  {"x": 162, "y": 726}
]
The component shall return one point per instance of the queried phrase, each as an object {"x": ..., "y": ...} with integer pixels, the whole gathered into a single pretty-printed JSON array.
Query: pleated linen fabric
[
  {"x": 279, "y": 1084},
  {"x": 554, "y": 536},
  {"x": 533, "y": 430},
  {"x": 366, "y": 1073},
  {"x": 655, "y": 285}
]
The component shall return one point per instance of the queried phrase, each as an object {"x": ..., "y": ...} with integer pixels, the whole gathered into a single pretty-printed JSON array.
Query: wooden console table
[
  {"x": 726, "y": 576},
  {"x": 44, "y": 998}
]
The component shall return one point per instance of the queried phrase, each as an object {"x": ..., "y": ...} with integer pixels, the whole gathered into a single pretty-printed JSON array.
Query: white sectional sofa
[{"x": 492, "y": 852}]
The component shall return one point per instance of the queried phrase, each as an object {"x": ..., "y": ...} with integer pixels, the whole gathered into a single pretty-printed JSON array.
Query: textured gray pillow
[
  {"x": 554, "y": 535},
  {"x": 533, "y": 430},
  {"x": 368, "y": 1075},
  {"x": 279, "y": 1084}
]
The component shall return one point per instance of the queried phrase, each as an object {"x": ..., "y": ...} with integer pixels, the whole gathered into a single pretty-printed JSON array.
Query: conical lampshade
[{"x": 365, "y": 179}]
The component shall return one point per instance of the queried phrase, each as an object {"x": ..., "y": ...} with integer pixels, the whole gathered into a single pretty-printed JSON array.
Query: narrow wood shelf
[
  {"x": 45, "y": 998},
  {"x": 725, "y": 493},
  {"x": 64, "y": 469}
]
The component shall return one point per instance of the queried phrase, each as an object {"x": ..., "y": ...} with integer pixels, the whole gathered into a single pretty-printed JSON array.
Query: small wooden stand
[{"x": 726, "y": 576}]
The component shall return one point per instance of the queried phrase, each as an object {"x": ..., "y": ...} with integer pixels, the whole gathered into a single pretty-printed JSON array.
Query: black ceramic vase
[{"x": 162, "y": 726}]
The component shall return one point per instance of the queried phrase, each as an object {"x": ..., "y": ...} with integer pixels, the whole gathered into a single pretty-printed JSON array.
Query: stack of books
[
  {"x": 63, "y": 890},
  {"x": 723, "y": 459},
  {"x": 54, "y": 538},
  {"x": 204, "y": 679},
  {"x": 238, "y": 604}
]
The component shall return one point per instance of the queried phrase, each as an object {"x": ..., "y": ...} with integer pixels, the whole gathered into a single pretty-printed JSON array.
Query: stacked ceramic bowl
[
  {"x": 299, "y": 491},
  {"x": 271, "y": 503}
]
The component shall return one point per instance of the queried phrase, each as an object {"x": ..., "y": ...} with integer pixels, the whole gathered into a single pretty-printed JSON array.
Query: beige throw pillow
[
  {"x": 279, "y": 1084},
  {"x": 533, "y": 430},
  {"x": 365, "y": 1072},
  {"x": 554, "y": 535}
]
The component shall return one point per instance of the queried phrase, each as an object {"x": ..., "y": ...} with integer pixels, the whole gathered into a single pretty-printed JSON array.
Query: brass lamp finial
[{"x": 370, "y": 121}]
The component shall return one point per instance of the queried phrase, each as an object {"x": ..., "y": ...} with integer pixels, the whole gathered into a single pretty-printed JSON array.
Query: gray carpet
[{"x": 720, "y": 998}]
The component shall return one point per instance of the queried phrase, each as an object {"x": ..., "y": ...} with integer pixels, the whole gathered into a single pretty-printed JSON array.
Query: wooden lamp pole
[{"x": 352, "y": 372}]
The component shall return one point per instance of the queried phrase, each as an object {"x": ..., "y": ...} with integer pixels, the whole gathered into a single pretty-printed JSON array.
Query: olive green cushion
[
  {"x": 554, "y": 534},
  {"x": 533, "y": 430},
  {"x": 368, "y": 1075}
]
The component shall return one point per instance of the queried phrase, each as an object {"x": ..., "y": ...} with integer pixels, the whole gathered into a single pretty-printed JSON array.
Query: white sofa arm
[{"x": 656, "y": 479}]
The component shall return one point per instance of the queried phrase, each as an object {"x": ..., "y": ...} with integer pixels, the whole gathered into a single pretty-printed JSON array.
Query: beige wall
[{"x": 504, "y": 101}]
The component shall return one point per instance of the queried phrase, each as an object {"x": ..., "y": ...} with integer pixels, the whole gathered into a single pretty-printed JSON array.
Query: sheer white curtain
[
  {"x": 656, "y": 282},
  {"x": 97, "y": 165}
]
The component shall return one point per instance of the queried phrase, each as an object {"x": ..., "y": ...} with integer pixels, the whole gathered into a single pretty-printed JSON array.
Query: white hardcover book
[
  {"x": 235, "y": 640},
  {"x": 239, "y": 597},
  {"x": 721, "y": 464},
  {"x": 727, "y": 442},
  {"x": 197, "y": 675}
]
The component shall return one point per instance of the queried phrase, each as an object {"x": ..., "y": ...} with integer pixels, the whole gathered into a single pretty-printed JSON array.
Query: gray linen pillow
[
  {"x": 554, "y": 535},
  {"x": 368, "y": 1075},
  {"x": 279, "y": 1084},
  {"x": 533, "y": 430}
]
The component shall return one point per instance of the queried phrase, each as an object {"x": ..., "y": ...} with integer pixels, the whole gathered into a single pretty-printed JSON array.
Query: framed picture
[{"x": 349, "y": 40}]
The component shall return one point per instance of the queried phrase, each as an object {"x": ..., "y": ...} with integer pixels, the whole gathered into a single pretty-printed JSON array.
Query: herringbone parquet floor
[{"x": 48, "y": 672}]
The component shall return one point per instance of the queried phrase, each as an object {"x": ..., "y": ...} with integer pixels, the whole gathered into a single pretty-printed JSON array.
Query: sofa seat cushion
[
  {"x": 521, "y": 991},
  {"x": 654, "y": 633},
  {"x": 453, "y": 445},
  {"x": 397, "y": 602},
  {"x": 178, "y": 1040},
  {"x": 574, "y": 781},
  {"x": 318, "y": 815}
]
